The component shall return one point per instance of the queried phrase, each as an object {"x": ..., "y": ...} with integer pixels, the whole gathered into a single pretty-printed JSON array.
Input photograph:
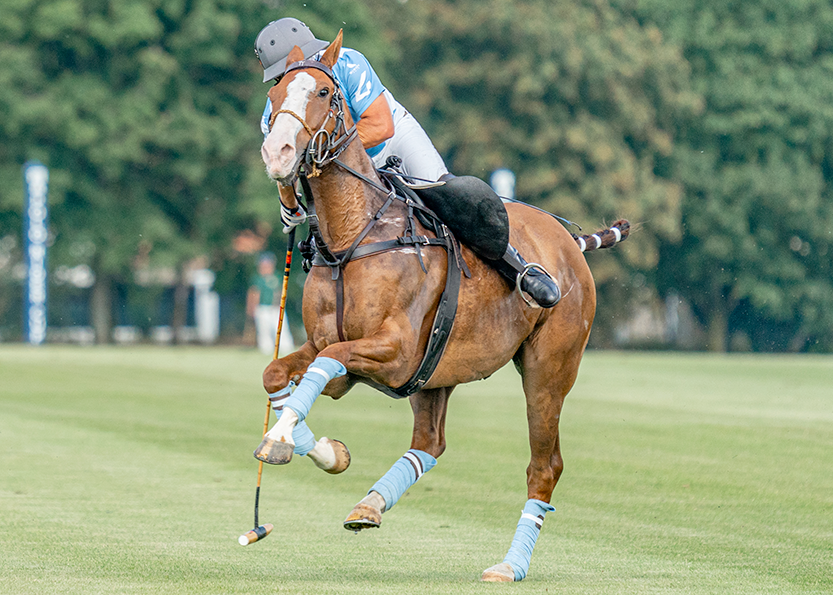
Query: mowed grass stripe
[{"x": 130, "y": 471}]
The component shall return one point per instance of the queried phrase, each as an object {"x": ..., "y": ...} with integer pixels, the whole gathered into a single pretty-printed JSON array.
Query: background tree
[
  {"x": 757, "y": 212},
  {"x": 147, "y": 113},
  {"x": 576, "y": 98}
]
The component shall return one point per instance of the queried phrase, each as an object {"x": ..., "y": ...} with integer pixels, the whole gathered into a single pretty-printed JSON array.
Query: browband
[{"x": 310, "y": 64}]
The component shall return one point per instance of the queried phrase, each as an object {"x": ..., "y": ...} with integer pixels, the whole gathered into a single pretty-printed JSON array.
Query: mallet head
[{"x": 255, "y": 534}]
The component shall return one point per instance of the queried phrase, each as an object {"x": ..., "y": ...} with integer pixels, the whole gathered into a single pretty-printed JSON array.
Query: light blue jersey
[{"x": 358, "y": 81}]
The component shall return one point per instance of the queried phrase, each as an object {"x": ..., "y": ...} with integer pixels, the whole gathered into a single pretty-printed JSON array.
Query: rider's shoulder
[{"x": 352, "y": 61}]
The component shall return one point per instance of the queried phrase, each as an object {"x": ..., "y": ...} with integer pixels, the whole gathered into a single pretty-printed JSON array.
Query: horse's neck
[{"x": 343, "y": 202}]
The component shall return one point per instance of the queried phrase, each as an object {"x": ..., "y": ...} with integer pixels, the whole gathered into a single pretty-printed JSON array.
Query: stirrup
[{"x": 528, "y": 267}]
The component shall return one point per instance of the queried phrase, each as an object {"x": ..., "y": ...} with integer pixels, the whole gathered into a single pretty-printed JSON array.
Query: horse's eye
[{"x": 324, "y": 92}]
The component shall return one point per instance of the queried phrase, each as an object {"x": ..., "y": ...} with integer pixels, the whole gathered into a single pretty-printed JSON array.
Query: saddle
[{"x": 473, "y": 211}]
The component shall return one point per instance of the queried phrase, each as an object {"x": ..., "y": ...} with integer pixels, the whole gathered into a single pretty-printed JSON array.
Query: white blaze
[{"x": 279, "y": 148}]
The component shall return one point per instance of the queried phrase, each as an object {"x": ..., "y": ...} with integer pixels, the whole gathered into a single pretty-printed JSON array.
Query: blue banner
[{"x": 36, "y": 180}]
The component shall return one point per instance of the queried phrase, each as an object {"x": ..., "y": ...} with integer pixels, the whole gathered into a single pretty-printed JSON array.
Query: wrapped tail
[{"x": 605, "y": 238}]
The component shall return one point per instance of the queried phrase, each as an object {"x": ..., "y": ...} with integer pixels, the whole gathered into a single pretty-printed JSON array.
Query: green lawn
[{"x": 130, "y": 471}]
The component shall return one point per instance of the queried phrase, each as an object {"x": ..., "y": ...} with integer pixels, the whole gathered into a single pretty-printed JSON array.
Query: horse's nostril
[{"x": 287, "y": 152}]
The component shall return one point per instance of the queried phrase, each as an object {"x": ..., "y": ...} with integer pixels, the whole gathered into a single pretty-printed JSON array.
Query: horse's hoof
[
  {"x": 274, "y": 452},
  {"x": 499, "y": 573},
  {"x": 363, "y": 517},
  {"x": 342, "y": 457}
]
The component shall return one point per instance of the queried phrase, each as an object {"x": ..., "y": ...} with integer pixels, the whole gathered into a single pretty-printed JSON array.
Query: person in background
[{"x": 261, "y": 304}]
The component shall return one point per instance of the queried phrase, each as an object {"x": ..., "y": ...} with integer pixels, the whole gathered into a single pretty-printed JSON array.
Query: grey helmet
[{"x": 276, "y": 40}]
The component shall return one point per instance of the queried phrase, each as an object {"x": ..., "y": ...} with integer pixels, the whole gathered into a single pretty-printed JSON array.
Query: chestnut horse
[{"x": 388, "y": 303}]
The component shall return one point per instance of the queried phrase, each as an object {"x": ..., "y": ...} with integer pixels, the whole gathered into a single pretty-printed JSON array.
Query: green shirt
[{"x": 268, "y": 288}]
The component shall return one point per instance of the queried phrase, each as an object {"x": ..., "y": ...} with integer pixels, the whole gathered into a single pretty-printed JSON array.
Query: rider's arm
[
  {"x": 264, "y": 118},
  {"x": 365, "y": 96},
  {"x": 376, "y": 123}
]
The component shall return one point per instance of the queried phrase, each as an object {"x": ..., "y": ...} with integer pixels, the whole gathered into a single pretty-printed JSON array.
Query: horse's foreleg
[
  {"x": 361, "y": 355},
  {"x": 330, "y": 455},
  {"x": 427, "y": 443},
  {"x": 279, "y": 380}
]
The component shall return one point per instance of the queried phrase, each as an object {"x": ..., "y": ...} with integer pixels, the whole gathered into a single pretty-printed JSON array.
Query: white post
[
  {"x": 36, "y": 179},
  {"x": 206, "y": 306}
]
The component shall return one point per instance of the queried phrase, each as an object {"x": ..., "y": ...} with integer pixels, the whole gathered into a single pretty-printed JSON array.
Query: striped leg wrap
[
  {"x": 404, "y": 473},
  {"x": 319, "y": 373},
  {"x": 529, "y": 526}
]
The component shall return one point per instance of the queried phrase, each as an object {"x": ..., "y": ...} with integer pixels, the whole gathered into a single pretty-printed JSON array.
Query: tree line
[{"x": 706, "y": 123}]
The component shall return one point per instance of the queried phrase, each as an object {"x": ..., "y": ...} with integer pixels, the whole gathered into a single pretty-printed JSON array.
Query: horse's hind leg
[
  {"x": 546, "y": 383},
  {"x": 427, "y": 444}
]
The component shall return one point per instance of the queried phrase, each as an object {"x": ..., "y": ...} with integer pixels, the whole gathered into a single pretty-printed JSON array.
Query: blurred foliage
[
  {"x": 577, "y": 100},
  {"x": 707, "y": 124},
  {"x": 754, "y": 257}
]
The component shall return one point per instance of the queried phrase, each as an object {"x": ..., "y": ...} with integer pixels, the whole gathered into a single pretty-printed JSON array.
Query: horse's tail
[{"x": 604, "y": 238}]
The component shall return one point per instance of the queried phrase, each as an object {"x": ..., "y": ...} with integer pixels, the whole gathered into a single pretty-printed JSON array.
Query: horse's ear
[
  {"x": 331, "y": 54},
  {"x": 295, "y": 55}
]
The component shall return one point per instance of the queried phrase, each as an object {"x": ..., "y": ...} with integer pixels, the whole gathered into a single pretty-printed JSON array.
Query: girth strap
[{"x": 440, "y": 330}]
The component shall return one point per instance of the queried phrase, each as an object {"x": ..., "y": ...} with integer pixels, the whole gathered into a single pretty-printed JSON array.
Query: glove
[{"x": 292, "y": 217}]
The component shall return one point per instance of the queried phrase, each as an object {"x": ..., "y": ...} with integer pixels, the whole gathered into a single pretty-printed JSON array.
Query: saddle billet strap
[{"x": 441, "y": 328}]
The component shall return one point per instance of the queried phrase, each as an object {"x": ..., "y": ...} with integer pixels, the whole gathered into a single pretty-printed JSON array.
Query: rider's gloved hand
[{"x": 292, "y": 217}]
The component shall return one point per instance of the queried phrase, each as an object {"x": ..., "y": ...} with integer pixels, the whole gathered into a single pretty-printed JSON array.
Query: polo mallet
[{"x": 261, "y": 531}]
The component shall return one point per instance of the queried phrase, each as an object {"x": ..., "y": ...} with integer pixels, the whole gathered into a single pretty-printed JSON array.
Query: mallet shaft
[
  {"x": 290, "y": 245},
  {"x": 260, "y": 466},
  {"x": 259, "y": 532}
]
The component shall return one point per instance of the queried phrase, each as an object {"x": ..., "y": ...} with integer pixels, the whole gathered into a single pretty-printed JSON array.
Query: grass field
[{"x": 130, "y": 471}]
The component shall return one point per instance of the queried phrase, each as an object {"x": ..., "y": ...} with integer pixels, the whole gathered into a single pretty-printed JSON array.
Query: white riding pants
[
  {"x": 410, "y": 142},
  {"x": 266, "y": 325}
]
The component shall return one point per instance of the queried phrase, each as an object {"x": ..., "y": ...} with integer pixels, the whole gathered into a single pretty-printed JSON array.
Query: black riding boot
[{"x": 540, "y": 286}]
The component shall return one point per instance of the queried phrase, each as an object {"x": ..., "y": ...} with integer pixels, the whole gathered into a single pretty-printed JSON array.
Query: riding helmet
[{"x": 276, "y": 40}]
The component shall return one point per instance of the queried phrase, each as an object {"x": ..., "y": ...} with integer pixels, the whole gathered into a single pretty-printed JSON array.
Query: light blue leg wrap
[
  {"x": 520, "y": 552},
  {"x": 319, "y": 373},
  {"x": 301, "y": 434},
  {"x": 404, "y": 473}
]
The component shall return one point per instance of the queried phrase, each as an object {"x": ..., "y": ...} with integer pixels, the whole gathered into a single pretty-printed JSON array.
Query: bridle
[{"x": 324, "y": 146}]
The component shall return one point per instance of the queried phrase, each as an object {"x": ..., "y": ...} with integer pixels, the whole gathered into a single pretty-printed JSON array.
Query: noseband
[{"x": 324, "y": 146}]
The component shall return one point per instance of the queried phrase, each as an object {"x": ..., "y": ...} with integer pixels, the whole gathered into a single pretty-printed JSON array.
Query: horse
[{"x": 370, "y": 319}]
